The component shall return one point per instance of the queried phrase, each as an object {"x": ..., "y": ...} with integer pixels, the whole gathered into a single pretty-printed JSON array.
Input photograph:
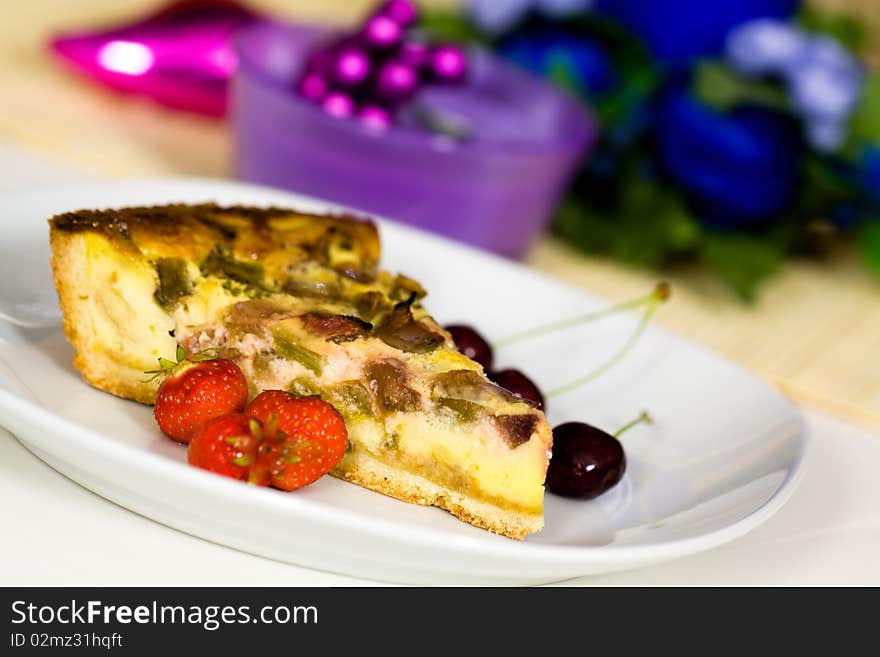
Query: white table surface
[{"x": 58, "y": 533}]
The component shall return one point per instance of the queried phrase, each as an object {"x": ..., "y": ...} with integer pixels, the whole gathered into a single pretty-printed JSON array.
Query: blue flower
[
  {"x": 869, "y": 172},
  {"x": 500, "y": 16},
  {"x": 552, "y": 52},
  {"x": 497, "y": 17},
  {"x": 677, "y": 31},
  {"x": 825, "y": 135},
  {"x": 824, "y": 86},
  {"x": 738, "y": 169},
  {"x": 847, "y": 215},
  {"x": 863, "y": 173},
  {"x": 825, "y": 82},
  {"x": 765, "y": 46},
  {"x": 562, "y": 8}
]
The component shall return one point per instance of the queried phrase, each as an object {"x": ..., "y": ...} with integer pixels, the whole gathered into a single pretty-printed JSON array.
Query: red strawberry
[
  {"x": 304, "y": 439},
  {"x": 197, "y": 388},
  {"x": 279, "y": 402},
  {"x": 226, "y": 445}
]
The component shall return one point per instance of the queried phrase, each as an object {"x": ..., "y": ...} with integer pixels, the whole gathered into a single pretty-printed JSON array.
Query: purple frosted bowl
[{"x": 495, "y": 191}]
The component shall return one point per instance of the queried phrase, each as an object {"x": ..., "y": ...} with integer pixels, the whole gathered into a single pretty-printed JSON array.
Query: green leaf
[
  {"x": 652, "y": 227},
  {"x": 743, "y": 261},
  {"x": 649, "y": 226},
  {"x": 446, "y": 25},
  {"x": 825, "y": 185},
  {"x": 244, "y": 460},
  {"x": 848, "y": 30},
  {"x": 870, "y": 244},
  {"x": 865, "y": 121},
  {"x": 208, "y": 353},
  {"x": 723, "y": 89},
  {"x": 561, "y": 72}
]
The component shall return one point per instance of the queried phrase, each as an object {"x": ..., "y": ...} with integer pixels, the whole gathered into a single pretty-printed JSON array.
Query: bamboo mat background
[{"x": 815, "y": 333}]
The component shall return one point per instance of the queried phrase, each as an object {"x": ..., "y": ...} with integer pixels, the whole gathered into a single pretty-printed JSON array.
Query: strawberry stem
[
  {"x": 166, "y": 367},
  {"x": 660, "y": 294}
]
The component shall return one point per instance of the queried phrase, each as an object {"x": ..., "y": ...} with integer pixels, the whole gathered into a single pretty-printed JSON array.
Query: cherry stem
[
  {"x": 643, "y": 417},
  {"x": 659, "y": 295},
  {"x": 661, "y": 289}
]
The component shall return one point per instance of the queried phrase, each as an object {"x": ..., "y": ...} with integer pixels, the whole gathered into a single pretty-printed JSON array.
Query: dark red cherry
[
  {"x": 473, "y": 345},
  {"x": 586, "y": 461},
  {"x": 519, "y": 384}
]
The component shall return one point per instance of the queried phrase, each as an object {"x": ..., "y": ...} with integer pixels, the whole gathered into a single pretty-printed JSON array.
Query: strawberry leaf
[
  {"x": 244, "y": 460},
  {"x": 211, "y": 353}
]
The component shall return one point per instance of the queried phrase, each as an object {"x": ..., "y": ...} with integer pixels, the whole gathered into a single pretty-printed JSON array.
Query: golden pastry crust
[
  {"x": 68, "y": 260},
  {"x": 364, "y": 470}
]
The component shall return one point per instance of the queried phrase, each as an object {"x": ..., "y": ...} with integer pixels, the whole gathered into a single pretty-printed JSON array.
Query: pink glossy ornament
[
  {"x": 339, "y": 105},
  {"x": 402, "y": 12},
  {"x": 448, "y": 63},
  {"x": 352, "y": 67},
  {"x": 321, "y": 62},
  {"x": 382, "y": 32},
  {"x": 181, "y": 56},
  {"x": 375, "y": 117},
  {"x": 414, "y": 54},
  {"x": 313, "y": 87},
  {"x": 369, "y": 73},
  {"x": 396, "y": 82}
]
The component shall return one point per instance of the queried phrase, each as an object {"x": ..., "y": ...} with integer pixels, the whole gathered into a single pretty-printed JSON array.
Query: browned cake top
[{"x": 277, "y": 238}]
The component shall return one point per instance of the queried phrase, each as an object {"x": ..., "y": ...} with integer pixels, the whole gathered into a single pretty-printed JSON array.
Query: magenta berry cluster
[{"x": 369, "y": 73}]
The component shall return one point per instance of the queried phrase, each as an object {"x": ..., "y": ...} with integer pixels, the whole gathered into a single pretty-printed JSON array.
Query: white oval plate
[{"x": 723, "y": 455}]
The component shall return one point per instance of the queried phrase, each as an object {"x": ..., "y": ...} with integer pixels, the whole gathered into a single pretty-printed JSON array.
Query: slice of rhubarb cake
[{"x": 299, "y": 303}]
